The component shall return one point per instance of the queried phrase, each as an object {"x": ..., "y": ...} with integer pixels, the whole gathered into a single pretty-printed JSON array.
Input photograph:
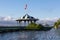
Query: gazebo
[{"x": 27, "y": 18}]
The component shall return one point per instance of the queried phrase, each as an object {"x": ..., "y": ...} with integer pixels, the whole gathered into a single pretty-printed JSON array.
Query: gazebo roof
[{"x": 27, "y": 17}]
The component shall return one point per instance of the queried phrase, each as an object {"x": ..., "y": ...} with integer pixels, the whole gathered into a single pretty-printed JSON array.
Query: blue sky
[{"x": 36, "y": 8}]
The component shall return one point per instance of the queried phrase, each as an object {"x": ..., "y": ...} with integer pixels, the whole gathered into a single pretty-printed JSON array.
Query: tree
[{"x": 56, "y": 24}]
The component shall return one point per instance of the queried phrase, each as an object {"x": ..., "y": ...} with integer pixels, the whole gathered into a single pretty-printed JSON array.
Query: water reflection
[{"x": 53, "y": 34}]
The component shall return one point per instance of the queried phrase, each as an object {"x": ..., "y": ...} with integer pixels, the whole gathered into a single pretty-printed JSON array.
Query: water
[
  {"x": 53, "y": 34},
  {"x": 12, "y": 23}
]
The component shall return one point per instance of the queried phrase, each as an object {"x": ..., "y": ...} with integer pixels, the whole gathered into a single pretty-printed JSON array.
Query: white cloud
[
  {"x": 50, "y": 19},
  {"x": 8, "y": 18}
]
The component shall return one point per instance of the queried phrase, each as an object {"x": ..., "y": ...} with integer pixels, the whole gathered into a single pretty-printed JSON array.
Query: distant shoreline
[{"x": 18, "y": 28}]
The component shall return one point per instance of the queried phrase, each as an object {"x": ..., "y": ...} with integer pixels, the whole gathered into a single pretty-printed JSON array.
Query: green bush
[
  {"x": 34, "y": 26},
  {"x": 56, "y": 24}
]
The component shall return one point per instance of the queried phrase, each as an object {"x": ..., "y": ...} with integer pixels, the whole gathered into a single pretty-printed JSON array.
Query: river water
[{"x": 53, "y": 34}]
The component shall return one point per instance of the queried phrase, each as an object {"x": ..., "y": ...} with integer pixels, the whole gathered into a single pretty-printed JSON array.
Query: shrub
[{"x": 34, "y": 26}]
